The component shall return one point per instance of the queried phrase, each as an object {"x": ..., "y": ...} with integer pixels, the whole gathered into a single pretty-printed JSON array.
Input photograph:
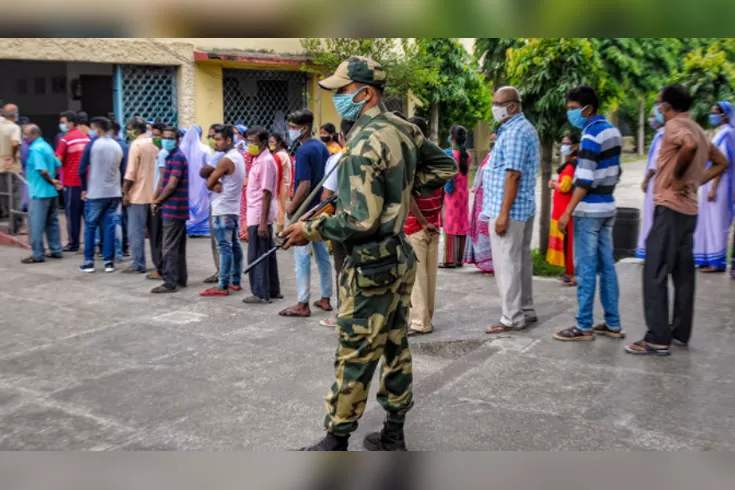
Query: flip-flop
[
  {"x": 500, "y": 328},
  {"x": 328, "y": 322},
  {"x": 32, "y": 260},
  {"x": 288, "y": 312},
  {"x": 648, "y": 349},
  {"x": 573, "y": 334},
  {"x": 214, "y": 292},
  {"x": 153, "y": 276},
  {"x": 317, "y": 304},
  {"x": 232, "y": 287},
  {"x": 412, "y": 332},
  {"x": 55, "y": 256}
]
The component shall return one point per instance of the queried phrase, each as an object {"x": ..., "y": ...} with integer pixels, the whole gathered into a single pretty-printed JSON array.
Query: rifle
[{"x": 325, "y": 207}]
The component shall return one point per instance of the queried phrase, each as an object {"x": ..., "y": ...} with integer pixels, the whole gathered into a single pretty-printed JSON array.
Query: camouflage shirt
[{"x": 385, "y": 160}]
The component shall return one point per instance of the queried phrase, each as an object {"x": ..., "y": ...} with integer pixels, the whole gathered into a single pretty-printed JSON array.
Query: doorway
[{"x": 96, "y": 95}]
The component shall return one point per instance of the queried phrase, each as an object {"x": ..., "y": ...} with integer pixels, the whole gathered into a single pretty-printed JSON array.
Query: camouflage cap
[{"x": 356, "y": 69}]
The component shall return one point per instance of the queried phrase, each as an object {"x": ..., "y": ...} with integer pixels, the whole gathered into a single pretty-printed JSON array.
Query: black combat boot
[
  {"x": 389, "y": 439},
  {"x": 330, "y": 443}
]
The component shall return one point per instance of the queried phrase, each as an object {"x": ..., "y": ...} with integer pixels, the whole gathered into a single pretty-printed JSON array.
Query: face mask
[
  {"x": 657, "y": 114},
  {"x": 326, "y": 139},
  {"x": 168, "y": 145},
  {"x": 272, "y": 148},
  {"x": 132, "y": 133},
  {"x": 63, "y": 128},
  {"x": 575, "y": 117},
  {"x": 500, "y": 114},
  {"x": 655, "y": 125},
  {"x": 157, "y": 141},
  {"x": 565, "y": 150},
  {"x": 211, "y": 142},
  {"x": 28, "y": 140},
  {"x": 294, "y": 134},
  {"x": 92, "y": 135},
  {"x": 253, "y": 150},
  {"x": 148, "y": 133},
  {"x": 346, "y": 106},
  {"x": 715, "y": 119}
]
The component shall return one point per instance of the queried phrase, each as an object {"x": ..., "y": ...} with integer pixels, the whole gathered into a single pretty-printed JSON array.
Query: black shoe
[
  {"x": 389, "y": 439},
  {"x": 256, "y": 300},
  {"x": 329, "y": 443},
  {"x": 69, "y": 248}
]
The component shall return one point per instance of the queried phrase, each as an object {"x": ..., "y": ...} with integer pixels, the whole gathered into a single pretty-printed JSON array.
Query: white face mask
[{"x": 500, "y": 114}]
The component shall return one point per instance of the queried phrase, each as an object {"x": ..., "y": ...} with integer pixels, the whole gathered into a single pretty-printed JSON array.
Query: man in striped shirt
[
  {"x": 593, "y": 206},
  {"x": 172, "y": 201}
]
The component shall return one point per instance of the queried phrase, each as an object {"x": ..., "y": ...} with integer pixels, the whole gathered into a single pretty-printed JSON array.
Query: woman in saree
[
  {"x": 456, "y": 202},
  {"x": 478, "y": 249},
  {"x": 711, "y": 238},
  {"x": 561, "y": 245}
]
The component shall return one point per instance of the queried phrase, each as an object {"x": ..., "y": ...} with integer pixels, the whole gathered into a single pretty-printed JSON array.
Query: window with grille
[
  {"x": 150, "y": 92},
  {"x": 395, "y": 104},
  {"x": 262, "y": 97}
]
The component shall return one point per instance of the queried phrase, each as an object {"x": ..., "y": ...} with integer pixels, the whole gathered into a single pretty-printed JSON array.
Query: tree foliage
[
  {"x": 459, "y": 89},
  {"x": 709, "y": 74},
  {"x": 491, "y": 53}
]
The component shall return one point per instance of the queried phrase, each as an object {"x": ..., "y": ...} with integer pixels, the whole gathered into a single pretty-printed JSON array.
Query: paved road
[{"x": 92, "y": 361}]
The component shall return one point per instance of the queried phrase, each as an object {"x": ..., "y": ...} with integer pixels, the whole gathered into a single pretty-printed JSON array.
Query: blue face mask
[
  {"x": 576, "y": 118},
  {"x": 657, "y": 114},
  {"x": 346, "y": 106},
  {"x": 168, "y": 145},
  {"x": 63, "y": 128},
  {"x": 715, "y": 119},
  {"x": 92, "y": 135},
  {"x": 565, "y": 150}
]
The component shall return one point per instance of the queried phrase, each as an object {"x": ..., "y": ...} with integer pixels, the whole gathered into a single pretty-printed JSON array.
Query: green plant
[{"x": 543, "y": 268}]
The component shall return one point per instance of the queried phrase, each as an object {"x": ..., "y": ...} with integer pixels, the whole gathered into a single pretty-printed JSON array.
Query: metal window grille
[
  {"x": 150, "y": 92},
  {"x": 395, "y": 104},
  {"x": 262, "y": 97}
]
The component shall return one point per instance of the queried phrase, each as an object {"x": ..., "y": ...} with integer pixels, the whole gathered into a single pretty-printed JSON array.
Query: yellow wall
[{"x": 208, "y": 95}]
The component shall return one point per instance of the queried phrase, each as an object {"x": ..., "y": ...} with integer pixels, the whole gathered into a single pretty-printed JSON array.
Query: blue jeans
[
  {"x": 43, "y": 219},
  {"x": 117, "y": 220},
  {"x": 593, "y": 255},
  {"x": 230, "y": 251},
  {"x": 137, "y": 220},
  {"x": 100, "y": 213},
  {"x": 302, "y": 255}
]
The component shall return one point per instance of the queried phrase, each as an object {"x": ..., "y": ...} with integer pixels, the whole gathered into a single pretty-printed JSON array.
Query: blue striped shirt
[
  {"x": 176, "y": 207},
  {"x": 598, "y": 168},
  {"x": 517, "y": 148}
]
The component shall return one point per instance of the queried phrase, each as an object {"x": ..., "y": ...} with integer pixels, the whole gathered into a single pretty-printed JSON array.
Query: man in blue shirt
[
  {"x": 510, "y": 204},
  {"x": 311, "y": 158},
  {"x": 43, "y": 188},
  {"x": 593, "y": 206}
]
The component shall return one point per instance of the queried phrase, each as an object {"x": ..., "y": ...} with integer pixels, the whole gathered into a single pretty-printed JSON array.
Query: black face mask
[{"x": 326, "y": 139}]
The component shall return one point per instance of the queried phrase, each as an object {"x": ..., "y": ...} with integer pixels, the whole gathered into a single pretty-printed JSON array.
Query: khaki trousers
[{"x": 423, "y": 295}]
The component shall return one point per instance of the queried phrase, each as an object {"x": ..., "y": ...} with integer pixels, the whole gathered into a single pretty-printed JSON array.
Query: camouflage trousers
[{"x": 372, "y": 326}]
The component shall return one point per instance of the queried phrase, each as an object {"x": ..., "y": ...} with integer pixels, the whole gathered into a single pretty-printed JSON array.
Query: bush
[{"x": 543, "y": 268}]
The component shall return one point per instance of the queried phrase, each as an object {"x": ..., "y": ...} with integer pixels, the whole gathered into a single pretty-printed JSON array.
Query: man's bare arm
[{"x": 224, "y": 167}]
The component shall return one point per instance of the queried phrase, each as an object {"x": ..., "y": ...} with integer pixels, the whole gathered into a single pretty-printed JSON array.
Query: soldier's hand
[{"x": 295, "y": 234}]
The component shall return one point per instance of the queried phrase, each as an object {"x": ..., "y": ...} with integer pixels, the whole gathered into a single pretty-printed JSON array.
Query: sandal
[
  {"x": 32, "y": 260},
  {"x": 318, "y": 304},
  {"x": 412, "y": 332},
  {"x": 502, "y": 328},
  {"x": 603, "y": 329},
  {"x": 291, "y": 312},
  {"x": 573, "y": 334},
  {"x": 234, "y": 287},
  {"x": 569, "y": 283},
  {"x": 643, "y": 348},
  {"x": 154, "y": 276},
  {"x": 215, "y": 291},
  {"x": 213, "y": 279},
  {"x": 54, "y": 256},
  {"x": 328, "y": 322}
]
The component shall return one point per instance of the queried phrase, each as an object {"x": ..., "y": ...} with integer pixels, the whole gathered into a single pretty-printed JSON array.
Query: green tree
[
  {"x": 491, "y": 53},
  {"x": 709, "y": 74},
  {"x": 543, "y": 70},
  {"x": 459, "y": 93}
]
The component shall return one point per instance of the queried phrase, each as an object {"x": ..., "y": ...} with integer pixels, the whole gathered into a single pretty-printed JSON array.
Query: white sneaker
[{"x": 110, "y": 267}]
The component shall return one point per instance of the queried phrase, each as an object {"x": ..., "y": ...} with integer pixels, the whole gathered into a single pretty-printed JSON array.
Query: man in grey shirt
[{"x": 99, "y": 171}]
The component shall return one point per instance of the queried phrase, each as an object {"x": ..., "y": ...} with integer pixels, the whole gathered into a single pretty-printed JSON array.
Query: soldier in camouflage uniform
[{"x": 385, "y": 160}]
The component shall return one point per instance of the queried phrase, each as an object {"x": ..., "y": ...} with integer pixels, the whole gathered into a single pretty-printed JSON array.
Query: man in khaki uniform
[{"x": 10, "y": 163}]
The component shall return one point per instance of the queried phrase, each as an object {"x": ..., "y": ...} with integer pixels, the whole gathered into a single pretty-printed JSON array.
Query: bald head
[
  {"x": 31, "y": 132},
  {"x": 506, "y": 103},
  {"x": 10, "y": 111}
]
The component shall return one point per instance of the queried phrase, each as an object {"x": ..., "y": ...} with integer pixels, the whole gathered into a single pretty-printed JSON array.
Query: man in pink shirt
[{"x": 261, "y": 212}]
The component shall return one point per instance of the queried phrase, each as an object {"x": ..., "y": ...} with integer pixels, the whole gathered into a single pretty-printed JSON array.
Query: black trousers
[
  {"x": 669, "y": 251},
  {"x": 174, "y": 254},
  {"x": 264, "y": 281},
  {"x": 155, "y": 236}
]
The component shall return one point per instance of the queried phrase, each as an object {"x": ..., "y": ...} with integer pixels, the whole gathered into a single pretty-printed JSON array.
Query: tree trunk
[
  {"x": 642, "y": 128},
  {"x": 434, "y": 123},
  {"x": 544, "y": 217}
]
